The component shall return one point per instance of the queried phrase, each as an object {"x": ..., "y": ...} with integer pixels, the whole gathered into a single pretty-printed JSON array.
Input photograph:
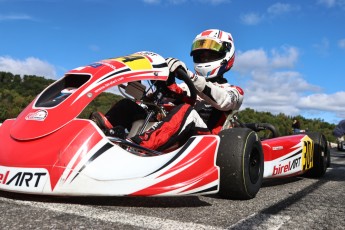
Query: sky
[{"x": 290, "y": 55}]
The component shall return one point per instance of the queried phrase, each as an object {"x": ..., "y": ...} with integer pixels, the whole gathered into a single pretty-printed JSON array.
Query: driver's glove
[{"x": 174, "y": 63}]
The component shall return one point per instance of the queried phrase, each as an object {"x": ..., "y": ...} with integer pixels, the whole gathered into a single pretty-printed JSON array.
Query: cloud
[
  {"x": 327, "y": 3},
  {"x": 272, "y": 11},
  {"x": 280, "y": 8},
  {"x": 321, "y": 103},
  {"x": 29, "y": 66},
  {"x": 271, "y": 84},
  {"x": 287, "y": 59},
  {"x": 152, "y": 1},
  {"x": 177, "y": 2},
  {"x": 332, "y": 3},
  {"x": 94, "y": 48},
  {"x": 11, "y": 17},
  {"x": 323, "y": 47},
  {"x": 251, "y": 18},
  {"x": 341, "y": 43},
  {"x": 329, "y": 102},
  {"x": 259, "y": 59},
  {"x": 213, "y": 2}
]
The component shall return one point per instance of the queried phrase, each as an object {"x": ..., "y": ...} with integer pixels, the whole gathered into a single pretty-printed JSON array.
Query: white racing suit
[{"x": 215, "y": 100}]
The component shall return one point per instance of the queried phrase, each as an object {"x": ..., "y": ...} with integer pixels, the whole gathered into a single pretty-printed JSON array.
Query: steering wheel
[{"x": 183, "y": 76}]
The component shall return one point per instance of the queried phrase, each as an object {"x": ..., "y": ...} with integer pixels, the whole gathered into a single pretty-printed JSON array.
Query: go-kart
[{"x": 48, "y": 150}]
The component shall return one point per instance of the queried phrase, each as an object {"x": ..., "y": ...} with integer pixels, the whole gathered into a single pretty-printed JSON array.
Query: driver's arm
[{"x": 223, "y": 97}]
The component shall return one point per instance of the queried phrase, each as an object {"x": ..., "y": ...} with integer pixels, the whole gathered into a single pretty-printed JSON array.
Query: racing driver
[{"x": 213, "y": 53}]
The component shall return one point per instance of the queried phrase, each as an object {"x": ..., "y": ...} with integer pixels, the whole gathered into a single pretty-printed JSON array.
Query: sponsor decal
[
  {"x": 109, "y": 65},
  {"x": 304, "y": 161},
  {"x": 135, "y": 62},
  {"x": 147, "y": 53},
  {"x": 307, "y": 153},
  {"x": 39, "y": 115},
  {"x": 108, "y": 84},
  {"x": 277, "y": 147},
  {"x": 95, "y": 65},
  {"x": 23, "y": 179},
  {"x": 284, "y": 168}
]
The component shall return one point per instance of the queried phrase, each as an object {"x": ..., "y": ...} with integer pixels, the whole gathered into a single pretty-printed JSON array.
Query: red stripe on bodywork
[
  {"x": 280, "y": 146},
  {"x": 202, "y": 170}
]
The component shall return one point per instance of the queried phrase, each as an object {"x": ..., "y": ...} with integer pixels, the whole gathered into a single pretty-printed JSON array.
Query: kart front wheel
[{"x": 241, "y": 161}]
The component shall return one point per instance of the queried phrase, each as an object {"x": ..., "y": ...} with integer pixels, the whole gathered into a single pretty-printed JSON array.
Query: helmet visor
[
  {"x": 207, "y": 44},
  {"x": 205, "y": 56}
]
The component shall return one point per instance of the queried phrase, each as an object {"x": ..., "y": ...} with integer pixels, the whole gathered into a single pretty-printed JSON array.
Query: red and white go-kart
[{"x": 48, "y": 150}]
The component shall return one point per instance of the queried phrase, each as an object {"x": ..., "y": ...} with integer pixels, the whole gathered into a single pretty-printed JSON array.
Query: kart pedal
[{"x": 118, "y": 131}]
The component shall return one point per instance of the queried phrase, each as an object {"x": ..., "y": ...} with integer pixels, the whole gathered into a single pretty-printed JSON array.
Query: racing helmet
[{"x": 213, "y": 53}]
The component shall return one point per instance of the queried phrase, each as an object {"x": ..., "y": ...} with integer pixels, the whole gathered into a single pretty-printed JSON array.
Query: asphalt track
[{"x": 298, "y": 203}]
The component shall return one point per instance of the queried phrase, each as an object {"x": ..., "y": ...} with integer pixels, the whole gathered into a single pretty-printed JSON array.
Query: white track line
[
  {"x": 261, "y": 221},
  {"x": 146, "y": 222}
]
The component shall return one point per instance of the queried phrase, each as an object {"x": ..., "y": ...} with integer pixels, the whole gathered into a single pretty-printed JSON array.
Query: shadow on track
[{"x": 149, "y": 202}]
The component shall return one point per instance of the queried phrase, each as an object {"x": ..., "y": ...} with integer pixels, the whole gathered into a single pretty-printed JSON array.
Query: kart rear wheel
[
  {"x": 241, "y": 161},
  {"x": 328, "y": 156},
  {"x": 320, "y": 157}
]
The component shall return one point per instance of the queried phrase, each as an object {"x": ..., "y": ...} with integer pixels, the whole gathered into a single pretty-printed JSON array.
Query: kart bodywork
[{"x": 48, "y": 150}]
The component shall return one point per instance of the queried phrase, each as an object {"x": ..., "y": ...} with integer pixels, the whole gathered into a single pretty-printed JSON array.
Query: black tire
[
  {"x": 241, "y": 161},
  {"x": 320, "y": 157}
]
